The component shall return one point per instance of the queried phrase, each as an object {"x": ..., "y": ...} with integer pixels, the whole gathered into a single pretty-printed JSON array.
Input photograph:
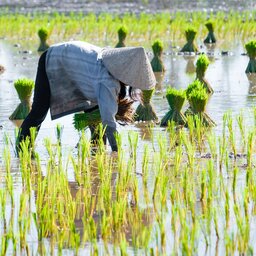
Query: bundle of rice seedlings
[
  {"x": 176, "y": 99},
  {"x": 24, "y": 88},
  {"x": 194, "y": 86},
  {"x": 122, "y": 33},
  {"x": 157, "y": 62},
  {"x": 83, "y": 120},
  {"x": 145, "y": 111},
  {"x": 201, "y": 67},
  {"x": 43, "y": 36},
  {"x": 190, "y": 36},
  {"x": 251, "y": 51},
  {"x": 92, "y": 117},
  {"x": 197, "y": 97},
  {"x": 210, "y": 39}
]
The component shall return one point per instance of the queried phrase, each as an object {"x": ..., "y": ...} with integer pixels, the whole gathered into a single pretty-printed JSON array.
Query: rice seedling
[
  {"x": 145, "y": 110},
  {"x": 176, "y": 99},
  {"x": 122, "y": 33},
  {"x": 43, "y": 35},
  {"x": 198, "y": 131},
  {"x": 24, "y": 88},
  {"x": 83, "y": 120},
  {"x": 190, "y": 46},
  {"x": 250, "y": 146},
  {"x": 251, "y": 51},
  {"x": 188, "y": 237},
  {"x": 241, "y": 125},
  {"x": 197, "y": 98},
  {"x": 210, "y": 39},
  {"x": 212, "y": 142},
  {"x": 133, "y": 139},
  {"x": 157, "y": 62},
  {"x": 190, "y": 150},
  {"x": 144, "y": 27},
  {"x": 59, "y": 132},
  {"x": 230, "y": 243},
  {"x": 202, "y": 64},
  {"x": 231, "y": 137},
  {"x": 110, "y": 193}
]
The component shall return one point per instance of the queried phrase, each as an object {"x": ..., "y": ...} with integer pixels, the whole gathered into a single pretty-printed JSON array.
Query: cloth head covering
[{"x": 130, "y": 65}]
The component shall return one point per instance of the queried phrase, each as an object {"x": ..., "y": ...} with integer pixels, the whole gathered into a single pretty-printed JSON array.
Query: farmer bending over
[{"x": 78, "y": 76}]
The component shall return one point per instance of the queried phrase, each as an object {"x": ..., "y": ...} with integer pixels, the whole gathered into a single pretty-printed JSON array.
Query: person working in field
[{"x": 78, "y": 76}]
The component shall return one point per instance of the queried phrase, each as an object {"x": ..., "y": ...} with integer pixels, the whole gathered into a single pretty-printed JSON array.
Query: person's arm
[
  {"x": 107, "y": 101},
  {"x": 110, "y": 132}
]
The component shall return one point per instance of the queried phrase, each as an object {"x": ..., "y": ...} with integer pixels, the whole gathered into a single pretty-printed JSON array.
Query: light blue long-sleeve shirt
[{"x": 79, "y": 81}]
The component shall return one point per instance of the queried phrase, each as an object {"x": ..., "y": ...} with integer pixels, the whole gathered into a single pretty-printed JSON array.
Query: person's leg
[{"x": 40, "y": 105}]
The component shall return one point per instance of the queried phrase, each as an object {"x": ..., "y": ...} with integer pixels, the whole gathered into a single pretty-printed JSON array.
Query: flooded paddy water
[{"x": 169, "y": 192}]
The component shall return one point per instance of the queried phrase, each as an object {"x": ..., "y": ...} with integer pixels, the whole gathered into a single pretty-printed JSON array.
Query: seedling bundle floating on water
[
  {"x": 145, "y": 111},
  {"x": 251, "y": 51},
  {"x": 201, "y": 67},
  {"x": 43, "y": 36},
  {"x": 210, "y": 39},
  {"x": 198, "y": 98},
  {"x": 122, "y": 33},
  {"x": 176, "y": 99},
  {"x": 24, "y": 88},
  {"x": 157, "y": 62},
  {"x": 190, "y": 45}
]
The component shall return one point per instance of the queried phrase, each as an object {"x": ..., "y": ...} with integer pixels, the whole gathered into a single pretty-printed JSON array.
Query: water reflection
[
  {"x": 252, "y": 82},
  {"x": 159, "y": 81},
  {"x": 190, "y": 67},
  {"x": 145, "y": 130}
]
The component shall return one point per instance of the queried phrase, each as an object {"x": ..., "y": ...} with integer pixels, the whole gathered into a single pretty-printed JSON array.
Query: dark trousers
[{"x": 41, "y": 102}]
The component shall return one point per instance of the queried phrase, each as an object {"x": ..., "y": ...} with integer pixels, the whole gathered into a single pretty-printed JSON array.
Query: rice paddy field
[{"x": 170, "y": 190}]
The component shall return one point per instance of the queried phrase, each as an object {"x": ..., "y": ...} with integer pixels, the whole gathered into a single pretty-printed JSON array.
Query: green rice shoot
[
  {"x": 43, "y": 35},
  {"x": 83, "y": 120},
  {"x": 157, "y": 62},
  {"x": 202, "y": 64},
  {"x": 122, "y": 33},
  {"x": 176, "y": 99},
  {"x": 198, "y": 97},
  {"x": 251, "y": 51},
  {"x": 210, "y": 39},
  {"x": 145, "y": 111},
  {"x": 190, "y": 46},
  {"x": 24, "y": 88}
]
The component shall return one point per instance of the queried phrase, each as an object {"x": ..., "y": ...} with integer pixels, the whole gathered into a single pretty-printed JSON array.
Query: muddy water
[{"x": 226, "y": 75}]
